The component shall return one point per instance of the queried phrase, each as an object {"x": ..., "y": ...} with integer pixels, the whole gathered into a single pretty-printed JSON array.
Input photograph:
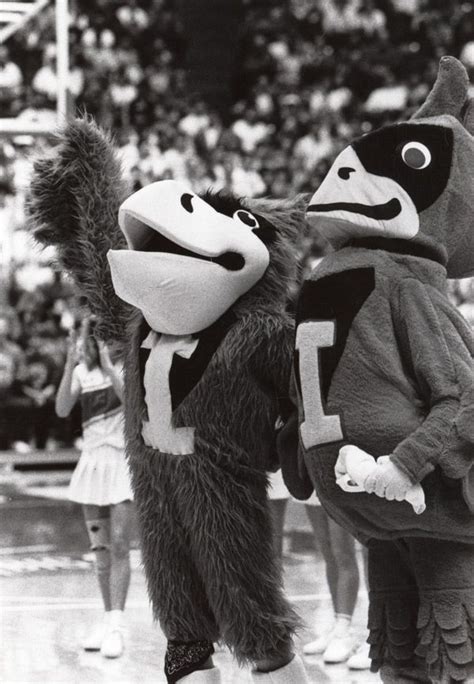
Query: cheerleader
[
  {"x": 337, "y": 644},
  {"x": 100, "y": 481}
]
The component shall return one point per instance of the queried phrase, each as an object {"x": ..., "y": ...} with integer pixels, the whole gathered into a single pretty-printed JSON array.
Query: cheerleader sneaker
[
  {"x": 112, "y": 645},
  {"x": 319, "y": 645},
  {"x": 360, "y": 659},
  {"x": 93, "y": 641},
  {"x": 339, "y": 648}
]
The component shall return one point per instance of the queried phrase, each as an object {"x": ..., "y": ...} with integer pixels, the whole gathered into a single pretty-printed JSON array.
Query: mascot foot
[
  {"x": 292, "y": 673},
  {"x": 210, "y": 676},
  {"x": 190, "y": 661}
]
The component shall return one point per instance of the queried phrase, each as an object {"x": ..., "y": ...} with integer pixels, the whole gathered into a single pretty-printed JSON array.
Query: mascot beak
[
  {"x": 352, "y": 202},
  {"x": 186, "y": 263}
]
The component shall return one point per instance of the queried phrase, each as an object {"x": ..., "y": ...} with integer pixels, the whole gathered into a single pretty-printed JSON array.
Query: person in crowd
[
  {"x": 246, "y": 179},
  {"x": 250, "y": 130},
  {"x": 39, "y": 390},
  {"x": 101, "y": 480},
  {"x": 314, "y": 146},
  {"x": 12, "y": 402},
  {"x": 337, "y": 643},
  {"x": 11, "y": 80},
  {"x": 45, "y": 81}
]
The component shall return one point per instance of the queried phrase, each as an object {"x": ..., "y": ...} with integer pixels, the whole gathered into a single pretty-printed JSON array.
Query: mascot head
[
  {"x": 191, "y": 258},
  {"x": 412, "y": 180}
]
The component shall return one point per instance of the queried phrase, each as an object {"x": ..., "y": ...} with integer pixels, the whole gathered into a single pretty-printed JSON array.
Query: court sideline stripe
[{"x": 68, "y": 605}]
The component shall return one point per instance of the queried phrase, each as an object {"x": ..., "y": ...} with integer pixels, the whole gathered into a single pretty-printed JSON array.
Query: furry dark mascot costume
[
  {"x": 207, "y": 347},
  {"x": 384, "y": 366}
]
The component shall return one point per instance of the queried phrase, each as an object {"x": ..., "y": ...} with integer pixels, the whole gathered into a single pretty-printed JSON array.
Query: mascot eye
[
  {"x": 186, "y": 202},
  {"x": 416, "y": 155},
  {"x": 246, "y": 218}
]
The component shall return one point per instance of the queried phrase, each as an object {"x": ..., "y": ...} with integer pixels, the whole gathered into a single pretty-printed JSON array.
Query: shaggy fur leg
[
  {"x": 445, "y": 576},
  {"x": 186, "y": 659},
  {"x": 176, "y": 592},
  {"x": 292, "y": 673},
  {"x": 226, "y": 515},
  {"x": 393, "y": 607}
]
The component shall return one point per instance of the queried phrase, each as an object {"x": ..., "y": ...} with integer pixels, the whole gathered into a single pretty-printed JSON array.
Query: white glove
[
  {"x": 352, "y": 468},
  {"x": 357, "y": 471},
  {"x": 388, "y": 481}
]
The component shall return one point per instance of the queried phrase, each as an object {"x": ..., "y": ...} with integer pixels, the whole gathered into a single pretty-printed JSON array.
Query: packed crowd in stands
[
  {"x": 310, "y": 76},
  {"x": 33, "y": 349}
]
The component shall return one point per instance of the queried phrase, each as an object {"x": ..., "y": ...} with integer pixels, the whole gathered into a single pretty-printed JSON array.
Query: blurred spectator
[
  {"x": 246, "y": 180},
  {"x": 196, "y": 121},
  {"x": 176, "y": 157},
  {"x": 250, "y": 130},
  {"x": 38, "y": 414},
  {"x": 314, "y": 146},
  {"x": 11, "y": 79},
  {"x": 45, "y": 80},
  {"x": 340, "y": 16},
  {"x": 133, "y": 18},
  {"x": 371, "y": 19},
  {"x": 128, "y": 151},
  {"x": 390, "y": 97},
  {"x": 12, "y": 373},
  {"x": 122, "y": 93}
]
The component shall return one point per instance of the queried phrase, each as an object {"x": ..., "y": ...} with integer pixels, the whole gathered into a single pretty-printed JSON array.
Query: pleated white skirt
[{"x": 101, "y": 478}]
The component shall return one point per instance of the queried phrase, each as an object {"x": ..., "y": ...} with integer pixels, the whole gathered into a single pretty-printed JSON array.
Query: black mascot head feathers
[{"x": 411, "y": 181}]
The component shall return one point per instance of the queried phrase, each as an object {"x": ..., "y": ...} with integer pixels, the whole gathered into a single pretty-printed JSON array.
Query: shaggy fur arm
[
  {"x": 272, "y": 360},
  {"x": 442, "y": 369},
  {"x": 75, "y": 197},
  {"x": 290, "y": 453},
  {"x": 272, "y": 363}
]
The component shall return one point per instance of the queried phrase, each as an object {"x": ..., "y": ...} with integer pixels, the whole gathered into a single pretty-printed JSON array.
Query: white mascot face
[{"x": 187, "y": 263}]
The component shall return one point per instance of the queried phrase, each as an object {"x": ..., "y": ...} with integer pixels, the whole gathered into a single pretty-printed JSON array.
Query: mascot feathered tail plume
[
  {"x": 384, "y": 371},
  {"x": 192, "y": 290}
]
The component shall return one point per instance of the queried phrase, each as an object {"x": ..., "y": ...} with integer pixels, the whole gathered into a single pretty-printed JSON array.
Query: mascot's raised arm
[
  {"x": 75, "y": 197},
  {"x": 202, "y": 283},
  {"x": 384, "y": 369}
]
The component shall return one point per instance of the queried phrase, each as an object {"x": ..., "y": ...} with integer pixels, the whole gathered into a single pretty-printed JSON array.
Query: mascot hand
[
  {"x": 357, "y": 471},
  {"x": 352, "y": 467},
  {"x": 388, "y": 481},
  {"x": 391, "y": 483}
]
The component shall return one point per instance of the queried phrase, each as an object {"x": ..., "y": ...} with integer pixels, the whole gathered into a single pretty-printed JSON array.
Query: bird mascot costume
[
  {"x": 192, "y": 289},
  {"x": 384, "y": 371}
]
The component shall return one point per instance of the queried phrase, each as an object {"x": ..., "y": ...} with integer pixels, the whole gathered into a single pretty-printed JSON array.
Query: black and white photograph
[{"x": 236, "y": 341}]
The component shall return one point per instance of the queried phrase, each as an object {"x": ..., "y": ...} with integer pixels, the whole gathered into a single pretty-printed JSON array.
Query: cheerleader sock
[
  {"x": 342, "y": 624},
  {"x": 115, "y": 620}
]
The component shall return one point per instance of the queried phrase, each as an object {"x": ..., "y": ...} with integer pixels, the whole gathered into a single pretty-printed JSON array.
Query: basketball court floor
[{"x": 49, "y": 599}]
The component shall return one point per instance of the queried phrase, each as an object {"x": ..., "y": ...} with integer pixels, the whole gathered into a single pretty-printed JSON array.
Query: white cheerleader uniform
[{"x": 101, "y": 477}]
